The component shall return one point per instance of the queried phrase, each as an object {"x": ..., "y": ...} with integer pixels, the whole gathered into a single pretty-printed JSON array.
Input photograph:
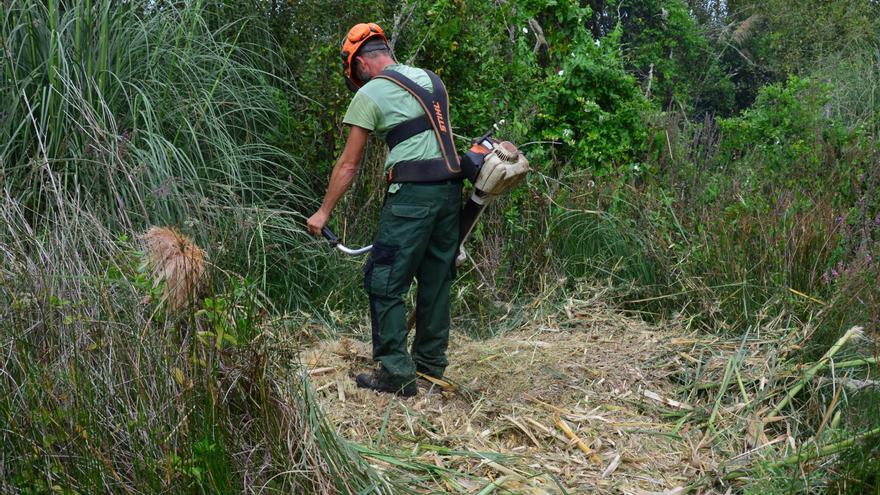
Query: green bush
[
  {"x": 592, "y": 106},
  {"x": 784, "y": 134}
]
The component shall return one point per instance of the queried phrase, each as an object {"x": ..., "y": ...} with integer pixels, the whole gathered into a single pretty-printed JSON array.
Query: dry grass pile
[
  {"x": 552, "y": 407},
  {"x": 586, "y": 402}
]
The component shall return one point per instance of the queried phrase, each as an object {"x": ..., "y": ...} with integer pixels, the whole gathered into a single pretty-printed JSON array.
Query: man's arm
[{"x": 343, "y": 175}]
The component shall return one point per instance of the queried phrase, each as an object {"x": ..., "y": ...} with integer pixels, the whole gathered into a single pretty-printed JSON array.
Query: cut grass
[{"x": 583, "y": 399}]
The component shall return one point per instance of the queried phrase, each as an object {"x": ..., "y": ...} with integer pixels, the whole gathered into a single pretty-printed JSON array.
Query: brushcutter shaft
[{"x": 334, "y": 241}]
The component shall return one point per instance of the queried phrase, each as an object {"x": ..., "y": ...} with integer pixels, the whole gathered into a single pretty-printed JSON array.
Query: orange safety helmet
[{"x": 355, "y": 39}]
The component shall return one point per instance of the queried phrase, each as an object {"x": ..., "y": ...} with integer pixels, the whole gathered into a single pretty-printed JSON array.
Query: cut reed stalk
[{"x": 811, "y": 372}]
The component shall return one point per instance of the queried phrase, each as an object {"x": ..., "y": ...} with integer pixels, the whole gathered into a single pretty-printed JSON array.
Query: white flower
[
  {"x": 561, "y": 72},
  {"x": 598, "y": 42},
  {"x": 525, "y": 30}
]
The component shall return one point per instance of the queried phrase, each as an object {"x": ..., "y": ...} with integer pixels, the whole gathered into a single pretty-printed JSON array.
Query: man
[{"x": 418, "y": 227}]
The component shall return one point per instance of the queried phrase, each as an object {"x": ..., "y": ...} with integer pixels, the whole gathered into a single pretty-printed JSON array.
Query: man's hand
[{"x": 317, "y": 222}]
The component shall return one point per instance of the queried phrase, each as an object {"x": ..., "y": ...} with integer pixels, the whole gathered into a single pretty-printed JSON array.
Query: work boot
[{"x": 378, "y": 381}]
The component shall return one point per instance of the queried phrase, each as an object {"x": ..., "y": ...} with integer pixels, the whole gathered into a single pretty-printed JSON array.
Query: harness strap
[
  {"x": 407, "y": 129},
  {"x": 436, "y": 107},
  {"x": 431, "y": 170}
]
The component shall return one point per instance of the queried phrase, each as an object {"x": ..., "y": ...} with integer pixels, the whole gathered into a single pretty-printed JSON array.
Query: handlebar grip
[{"x": 330, "y": 235}]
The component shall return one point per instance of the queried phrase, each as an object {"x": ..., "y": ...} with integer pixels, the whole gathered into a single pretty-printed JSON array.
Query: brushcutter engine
[{"x": 494, "y": 168}]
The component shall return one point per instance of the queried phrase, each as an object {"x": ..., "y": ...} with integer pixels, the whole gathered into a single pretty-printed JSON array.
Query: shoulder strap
[{"x": 436, "y": 106}]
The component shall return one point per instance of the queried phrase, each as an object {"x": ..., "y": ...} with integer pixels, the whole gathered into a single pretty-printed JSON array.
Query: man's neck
[
  {"x": 378, "y": 65},
  {"x": 385, "y": 62}
]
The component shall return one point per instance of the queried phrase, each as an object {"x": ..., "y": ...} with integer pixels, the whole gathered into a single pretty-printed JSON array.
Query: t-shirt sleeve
[{"x": 363, "y": 112}]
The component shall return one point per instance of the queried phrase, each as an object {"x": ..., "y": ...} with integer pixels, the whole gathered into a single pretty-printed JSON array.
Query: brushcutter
[{"x": 496, "y": 168}]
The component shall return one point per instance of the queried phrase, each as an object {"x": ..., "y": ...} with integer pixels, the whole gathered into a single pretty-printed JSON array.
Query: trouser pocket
[{"x": 378, "y": 270}]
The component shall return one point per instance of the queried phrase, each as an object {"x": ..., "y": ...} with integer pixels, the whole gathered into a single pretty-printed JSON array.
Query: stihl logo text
[{"x": 439, "y": 114}]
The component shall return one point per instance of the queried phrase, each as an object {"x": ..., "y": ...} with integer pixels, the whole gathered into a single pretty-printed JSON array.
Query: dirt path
[{"x": 582, "y": 406}]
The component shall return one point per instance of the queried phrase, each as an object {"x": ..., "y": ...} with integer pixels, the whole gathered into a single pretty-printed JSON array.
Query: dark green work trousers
[{"x": 418, "y": 237}]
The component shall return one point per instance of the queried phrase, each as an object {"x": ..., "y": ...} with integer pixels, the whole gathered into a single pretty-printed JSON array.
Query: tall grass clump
[
  {"x": 105, "y": 391},
  {"x": 154, "y": 116},
  {"x": 118, "y": 116}
]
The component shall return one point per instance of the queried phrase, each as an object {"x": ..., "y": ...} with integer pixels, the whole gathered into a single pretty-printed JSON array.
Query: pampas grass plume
[
  {"x": 745, "y": 29},
  {"x": 176, "y": 259}
]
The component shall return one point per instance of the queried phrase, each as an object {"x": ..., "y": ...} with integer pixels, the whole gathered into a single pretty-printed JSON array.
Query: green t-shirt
[{"x": 381, "y": 104}]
